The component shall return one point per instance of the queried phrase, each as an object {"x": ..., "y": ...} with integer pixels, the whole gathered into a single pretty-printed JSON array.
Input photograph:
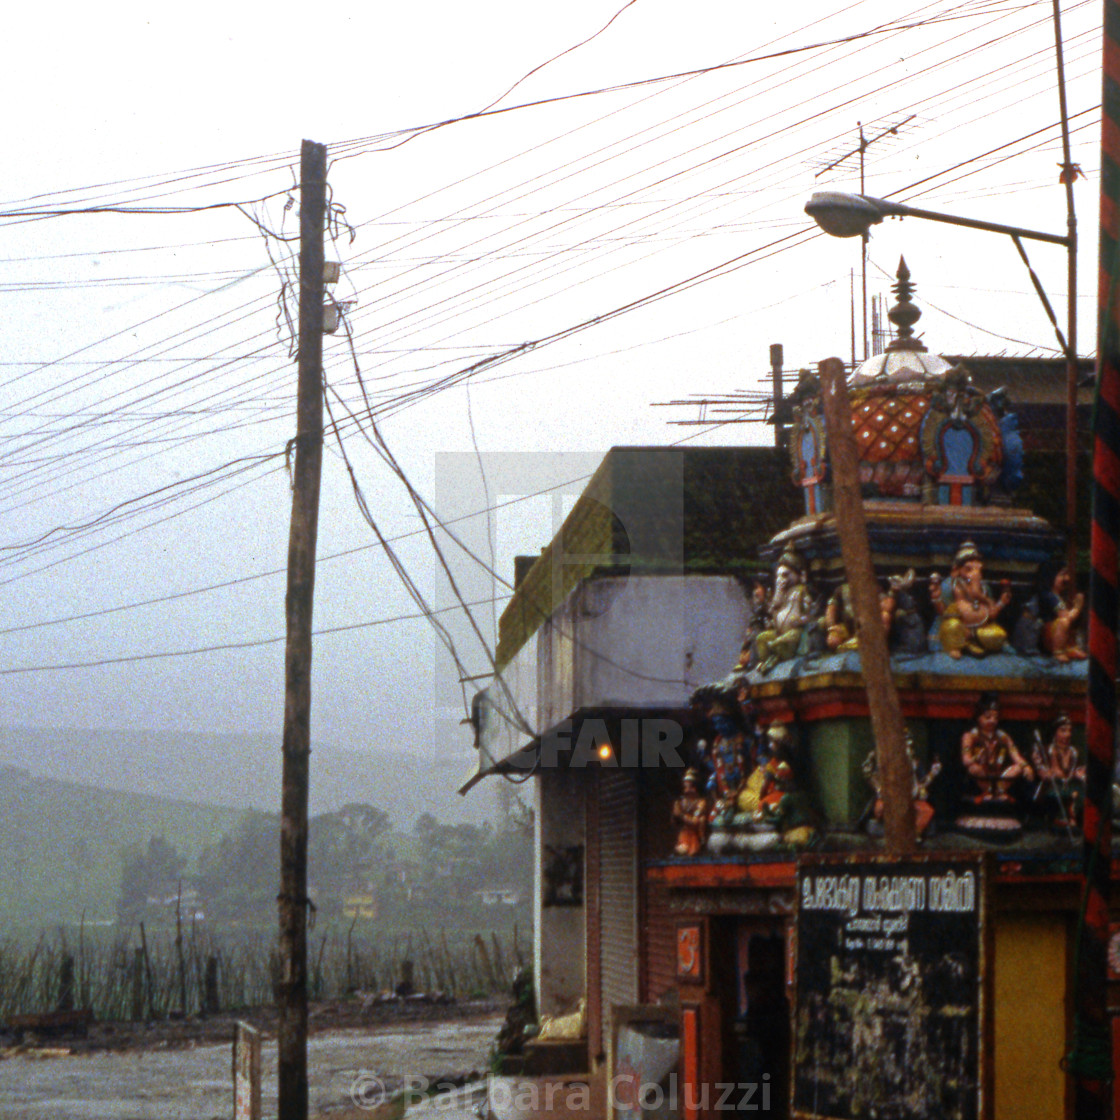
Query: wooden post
[
  {"x": 210, "y": 999},
  {"x": 137, "y": 985},
  {"x": 179, "y": 951},
  {"x": 66, "y": 983},
  {"x": 777, "y": 360},
  {"x": 887, "y": 725},
  {"x": 246, "y": 1073},
  {"x": 149, "y": 986},
  {"x": 292, "y": 1003}
]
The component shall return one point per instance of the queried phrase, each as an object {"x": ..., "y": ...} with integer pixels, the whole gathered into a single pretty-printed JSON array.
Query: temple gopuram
[
  {"x": 982, "y": 617},
  {"x": 947, "y": 977}
]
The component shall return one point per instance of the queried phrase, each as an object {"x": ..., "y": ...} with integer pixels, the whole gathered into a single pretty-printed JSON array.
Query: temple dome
[
  {"x": 895, "y": 367},
  {"x": 924, "y": 433}
]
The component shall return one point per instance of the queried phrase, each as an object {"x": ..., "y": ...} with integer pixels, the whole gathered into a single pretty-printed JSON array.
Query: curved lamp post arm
[{"x": 851, "y": 215}]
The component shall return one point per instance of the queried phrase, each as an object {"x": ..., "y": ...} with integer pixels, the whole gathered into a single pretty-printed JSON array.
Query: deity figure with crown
[{"x": 966, "y": 608}]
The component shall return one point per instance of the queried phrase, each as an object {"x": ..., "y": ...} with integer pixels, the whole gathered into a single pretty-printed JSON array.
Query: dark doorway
[{"x": 761, "y": 1027}]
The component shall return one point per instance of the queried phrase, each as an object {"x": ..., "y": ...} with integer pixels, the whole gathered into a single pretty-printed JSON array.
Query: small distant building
[
  {"x": 187, "y": 905},
  {"x": 362, "y": 906},
  {"x": 498, "y": 896}
]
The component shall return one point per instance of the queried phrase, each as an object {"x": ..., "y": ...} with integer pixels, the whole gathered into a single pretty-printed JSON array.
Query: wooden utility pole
[
  {"x": 887, "y": 726},
  {"x": 777, "y": 360},
  {"x": 1070, "y": 171},
  {"x": 293, "y": 901}
]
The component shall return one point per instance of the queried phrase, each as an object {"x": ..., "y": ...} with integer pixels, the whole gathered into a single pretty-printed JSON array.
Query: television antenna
[{"x": 860, "y": 150}]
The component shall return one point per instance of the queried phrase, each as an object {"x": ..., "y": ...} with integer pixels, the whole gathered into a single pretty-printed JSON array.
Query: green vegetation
[
  {"x": 61, "y": 845},
  {"x": 142, "y": 898},
  {"x": 127, "y": 975},
  {"x": 447, "y": 875},
  {"x": 71, "y": 854}
]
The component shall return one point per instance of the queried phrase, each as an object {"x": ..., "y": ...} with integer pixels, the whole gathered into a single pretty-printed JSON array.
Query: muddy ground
[{"x": 182, "y": 1070}]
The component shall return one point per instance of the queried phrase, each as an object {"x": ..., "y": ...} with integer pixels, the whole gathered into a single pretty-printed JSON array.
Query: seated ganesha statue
[
  {"x": 966, "y": 608},
  {"x": 788, "y": 613}
]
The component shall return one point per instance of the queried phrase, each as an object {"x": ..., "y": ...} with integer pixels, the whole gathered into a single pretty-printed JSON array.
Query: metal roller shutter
[
  {"x": 659, "y": 937},
  {"x": 618, "y": 891}
]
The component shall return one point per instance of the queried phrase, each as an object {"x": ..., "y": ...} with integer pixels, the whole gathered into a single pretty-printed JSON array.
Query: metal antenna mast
[{"x": 865, "y": 142}]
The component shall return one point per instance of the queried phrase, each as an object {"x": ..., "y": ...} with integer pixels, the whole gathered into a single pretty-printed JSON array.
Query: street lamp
[{"x": 853, "y": 215}]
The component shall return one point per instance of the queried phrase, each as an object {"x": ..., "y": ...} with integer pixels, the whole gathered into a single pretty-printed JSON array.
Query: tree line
[{"x": 356, "y": 864}]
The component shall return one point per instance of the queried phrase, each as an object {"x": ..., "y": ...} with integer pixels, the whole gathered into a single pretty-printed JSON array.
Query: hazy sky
[{"x": 148, "y": 392}]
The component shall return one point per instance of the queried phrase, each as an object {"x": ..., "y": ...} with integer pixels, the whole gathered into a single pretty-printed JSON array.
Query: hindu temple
[
  {"x": 984, "y": 624},
  {"x": 981, "y": 613}
]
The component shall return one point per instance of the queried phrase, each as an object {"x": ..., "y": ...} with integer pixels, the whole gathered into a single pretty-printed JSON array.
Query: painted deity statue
[
  {"x": 923, "y": 810},
  {"x": 968, "y": 618},
  {"x": 773, "y": 764},
  {"x": 690, "y": 815},
  {"x": 960, "y": 440},
  {"x": 777, "y": 773},
  {"x": 1061, "y": 779},
  {"x": 789, "y": 611},
  {"x": 840, "y": 620},
  {"x": 809, "y": 443},
  {"x": 1011, "y": 469},
  {"x": 896, "y": 607},
  {"x": 771, "y": 795},
  {"x": 757, "y": 621},
  {"x": 727, "y": 764},
  {"x": 1061, "y": 606},
  {"x": 990, "y": 756}
]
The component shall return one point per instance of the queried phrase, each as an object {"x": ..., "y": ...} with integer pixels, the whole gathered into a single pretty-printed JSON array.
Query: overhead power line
[
  {"x": 240, "y": 580},
  {"x": 248, "y": 644},
  {"x": 419, "y": 130}
]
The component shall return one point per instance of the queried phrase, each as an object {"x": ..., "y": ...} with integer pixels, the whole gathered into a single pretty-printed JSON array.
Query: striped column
[{"x": 1090, "y": 1061}]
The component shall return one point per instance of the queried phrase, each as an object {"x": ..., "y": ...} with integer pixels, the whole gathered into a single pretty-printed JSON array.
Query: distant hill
[
  {"x": 71, "y": 801},
  {"x": 243, "y": 771},
  {"x": 61, "y": 844}
]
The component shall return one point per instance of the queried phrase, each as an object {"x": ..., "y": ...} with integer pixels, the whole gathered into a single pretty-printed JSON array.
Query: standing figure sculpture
[
  {"x": 968, "y": 620},
  {"x": 727, "y": 763},
  {"x": 923, "y": 810},
  {"x": 1061, "y": 779},
  {"x": 690, "y": 815}
]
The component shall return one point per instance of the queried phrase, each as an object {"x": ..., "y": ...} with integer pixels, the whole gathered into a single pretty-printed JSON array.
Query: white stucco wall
[
  {"x": 559, "y": 945},
  {"x": 642, "y": 642},
  {"x": 639, "y": 642}
]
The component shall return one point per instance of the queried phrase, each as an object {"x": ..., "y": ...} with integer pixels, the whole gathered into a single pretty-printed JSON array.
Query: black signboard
[{"x": 890, "y": 989}]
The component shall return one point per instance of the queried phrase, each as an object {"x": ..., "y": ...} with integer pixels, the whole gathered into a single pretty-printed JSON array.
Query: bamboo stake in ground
[{"x": 887, "y": 725}]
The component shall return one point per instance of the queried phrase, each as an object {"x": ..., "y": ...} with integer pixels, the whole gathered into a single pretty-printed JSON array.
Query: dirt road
[{"x": 346, "y": 1067}]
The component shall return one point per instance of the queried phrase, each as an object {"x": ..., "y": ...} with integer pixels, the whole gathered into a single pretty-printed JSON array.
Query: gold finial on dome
[
  {"x": 906, "y": 359},
  {"x": 905, "y": 313}
]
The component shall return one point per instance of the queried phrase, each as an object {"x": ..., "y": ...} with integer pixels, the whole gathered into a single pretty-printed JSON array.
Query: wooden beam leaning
[{"x": 887, "y": 725}]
